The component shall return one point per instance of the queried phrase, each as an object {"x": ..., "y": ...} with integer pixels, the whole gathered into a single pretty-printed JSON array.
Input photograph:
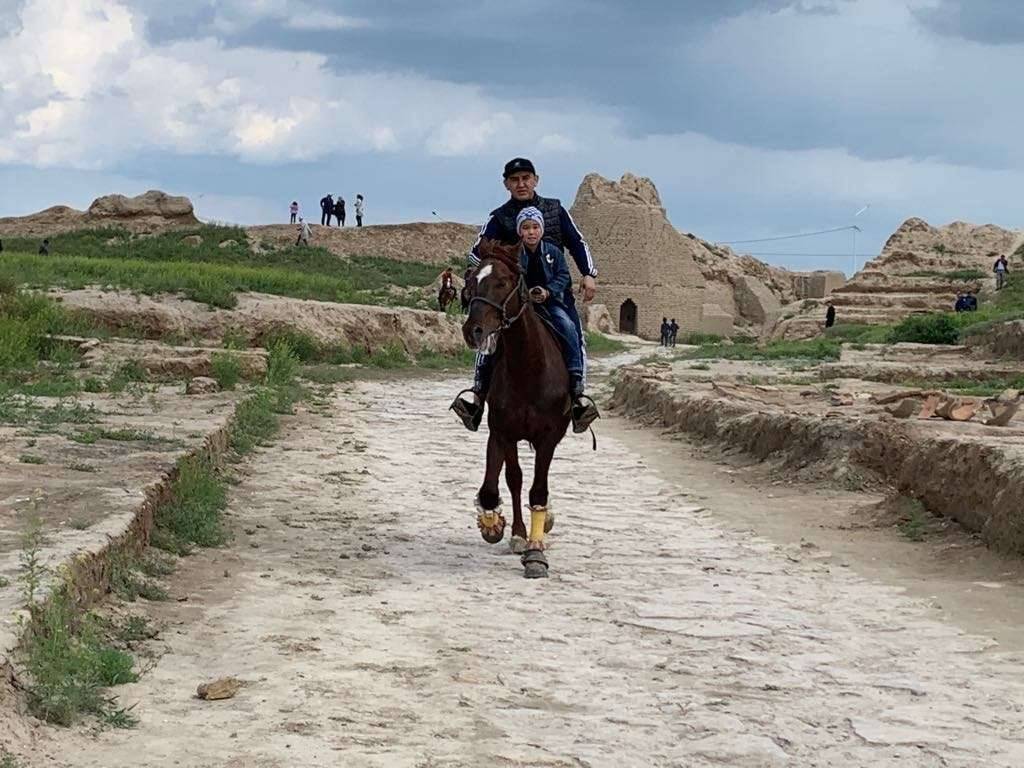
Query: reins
[{"x": 506, "y": 321}]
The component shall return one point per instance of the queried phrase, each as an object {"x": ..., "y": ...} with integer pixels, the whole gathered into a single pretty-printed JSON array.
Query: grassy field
[
  {"x": 815, "y": 349},
  {"x": 209, "y": 272}
]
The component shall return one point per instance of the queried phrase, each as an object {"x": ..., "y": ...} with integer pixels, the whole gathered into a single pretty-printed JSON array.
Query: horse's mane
[{"x": 506, "y": 254}]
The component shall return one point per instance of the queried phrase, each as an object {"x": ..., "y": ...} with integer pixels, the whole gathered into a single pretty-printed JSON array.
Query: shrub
[
  {"x": 282, "y": 364},
  {"x": 304, "y": 345},
  {"x": 193, "y": 515},
  {"x": 226, "y": 369},
  {"x": 927, "y": 329},
  {"x": 69, "y": 666}
]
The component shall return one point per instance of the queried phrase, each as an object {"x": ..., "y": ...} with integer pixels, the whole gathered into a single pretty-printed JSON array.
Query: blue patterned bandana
[{"x": 530, "y": 214}]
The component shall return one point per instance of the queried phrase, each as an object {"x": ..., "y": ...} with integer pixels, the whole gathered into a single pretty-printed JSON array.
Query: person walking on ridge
[
  {"x": 326, "y": 209},
  {"x": 359, "y": 210},
  {"x": 294, "y": 209},
  {"x": 304, "y": 233},
  {"x": 339, "y": 210},
  {"x": 1002, "y": 269}
]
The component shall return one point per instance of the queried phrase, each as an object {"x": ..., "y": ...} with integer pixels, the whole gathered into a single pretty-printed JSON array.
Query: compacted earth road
[{"x": 373, "y": 627}]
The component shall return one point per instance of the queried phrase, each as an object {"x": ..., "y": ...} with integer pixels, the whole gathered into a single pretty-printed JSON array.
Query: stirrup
[
  {"x": 469, "y": 412},
  {"x": 583, "y": 414}
]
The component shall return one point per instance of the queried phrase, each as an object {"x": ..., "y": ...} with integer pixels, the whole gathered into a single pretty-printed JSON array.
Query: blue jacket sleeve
[
  {"x": 560, "y": 277},
  {"x": 488, "y": 230},
  {"x": 578, "y": 248}
]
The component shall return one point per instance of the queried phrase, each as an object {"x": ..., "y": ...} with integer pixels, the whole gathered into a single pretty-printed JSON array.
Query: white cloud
[{"x": 87, "y": 90}]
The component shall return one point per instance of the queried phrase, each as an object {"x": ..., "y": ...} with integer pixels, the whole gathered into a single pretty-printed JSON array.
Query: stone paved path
[{"x": 376, "y": 628}]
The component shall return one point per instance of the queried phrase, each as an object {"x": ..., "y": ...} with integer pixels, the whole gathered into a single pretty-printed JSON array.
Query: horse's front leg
[
  {"x": 514, "y": 479},
  {"x": 488, "y": 503},
  {"x": 535, "y": 562}
]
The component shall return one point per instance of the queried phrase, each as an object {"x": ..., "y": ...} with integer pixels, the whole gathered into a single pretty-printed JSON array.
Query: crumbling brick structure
[{"x": 646, "y": 267}]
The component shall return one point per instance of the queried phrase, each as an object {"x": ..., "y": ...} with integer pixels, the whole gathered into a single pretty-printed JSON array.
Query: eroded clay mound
[
  {"x": 259, "y": 315},
  {"x": 427, "y": 242},
  {"x": 155, "y": 205},
  {"x": 148, "y": 212}
]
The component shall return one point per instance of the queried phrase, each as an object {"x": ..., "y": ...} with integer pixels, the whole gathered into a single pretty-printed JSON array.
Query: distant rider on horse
[
  {"x": 558, "y": 230},
  {"x": 446, "y": 294}
]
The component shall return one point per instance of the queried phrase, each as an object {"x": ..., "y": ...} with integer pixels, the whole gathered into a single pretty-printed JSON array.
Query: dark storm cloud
[{"x": 984, "y": 21}]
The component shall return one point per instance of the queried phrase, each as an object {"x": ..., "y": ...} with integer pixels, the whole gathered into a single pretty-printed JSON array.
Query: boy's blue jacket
[{"x": 557, "y": 278}]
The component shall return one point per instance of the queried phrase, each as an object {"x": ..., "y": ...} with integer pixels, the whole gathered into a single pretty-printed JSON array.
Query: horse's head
[{"x": 497, "y": 294}]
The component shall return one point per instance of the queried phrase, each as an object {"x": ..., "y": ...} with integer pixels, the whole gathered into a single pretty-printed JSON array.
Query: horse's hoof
[
  {"x": 492, "y": 526},
  {"x": 549, "y": 521},
  {"x": 535, "y": 564},
  {"x": 517, "y": 544}
]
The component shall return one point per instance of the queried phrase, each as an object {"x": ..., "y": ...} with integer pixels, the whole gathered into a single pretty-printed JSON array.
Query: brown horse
[
  {"x": 445, "y": 296},
  {"x": 528, "y": 400}
]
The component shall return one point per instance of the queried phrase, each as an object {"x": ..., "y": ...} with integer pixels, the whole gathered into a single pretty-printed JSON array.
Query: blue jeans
[{"x": 570, "y": 337}]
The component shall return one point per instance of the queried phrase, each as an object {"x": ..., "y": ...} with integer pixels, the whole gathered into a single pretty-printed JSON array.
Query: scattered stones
[
  {"x": 227, "y": 244},
  {"x": 202, "y": 385},
  {"x": 223, "y": 688},
  {"x": 192, "y": 240}
]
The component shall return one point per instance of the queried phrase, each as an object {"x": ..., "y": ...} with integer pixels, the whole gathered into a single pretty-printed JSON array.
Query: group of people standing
[
  {"x": 329, "y": 208},
  {"x": 668, "y": 332}
]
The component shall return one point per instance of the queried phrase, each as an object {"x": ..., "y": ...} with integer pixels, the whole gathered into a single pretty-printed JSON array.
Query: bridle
[{"x": 506, "y": 321}]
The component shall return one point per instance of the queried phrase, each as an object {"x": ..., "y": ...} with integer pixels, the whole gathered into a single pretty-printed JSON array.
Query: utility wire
[{"x": 789, "y": 237}]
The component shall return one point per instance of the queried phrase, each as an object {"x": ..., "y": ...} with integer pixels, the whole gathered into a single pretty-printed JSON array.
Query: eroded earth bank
[{"x": 372, "y": 627}]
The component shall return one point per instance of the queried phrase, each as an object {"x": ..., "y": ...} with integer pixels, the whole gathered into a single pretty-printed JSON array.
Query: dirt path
[{"x": 376, "y": 629}]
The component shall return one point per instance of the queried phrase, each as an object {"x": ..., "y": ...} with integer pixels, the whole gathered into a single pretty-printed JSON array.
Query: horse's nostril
[{"x": 478, "y": 333}]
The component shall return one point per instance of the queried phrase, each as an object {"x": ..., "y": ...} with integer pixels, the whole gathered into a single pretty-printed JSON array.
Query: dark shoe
[
  {"x": 470, "y": 413},
  {"x": 583, "y": 413}
]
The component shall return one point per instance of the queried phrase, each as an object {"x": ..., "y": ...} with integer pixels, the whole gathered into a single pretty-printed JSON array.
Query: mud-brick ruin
[
  {"x": 647, "y": 270},
  {"x": 650, "y": 270}
]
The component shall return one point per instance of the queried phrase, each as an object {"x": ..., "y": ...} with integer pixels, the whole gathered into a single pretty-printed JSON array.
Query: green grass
[
  {"x": 70, "y": 666},
  {"x": 227, "y": 369},
  {"x": 128, "y": 583},
  {"x": 599, "y": 344},
  {"x": 7, "y": 760},
  {"x": 701, "y": 339},
  {"x": 913, "y": 519},
  {"x": 927, "y": 329},
  {"x": 209, "y": 274},
  {"x": 815, "y": 349},
  {"x": 193, "y": 514},
  {"x": 29, "y": 458},
  {"x": 860, "y": 334}
]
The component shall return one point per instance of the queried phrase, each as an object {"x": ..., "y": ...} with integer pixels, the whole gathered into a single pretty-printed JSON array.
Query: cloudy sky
[{"x": 755, "y": 118}]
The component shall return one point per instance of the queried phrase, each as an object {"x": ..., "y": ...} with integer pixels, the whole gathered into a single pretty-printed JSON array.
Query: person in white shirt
[
  {"x": 359, "y": 210},
  {"x": 304, "y": 233}
]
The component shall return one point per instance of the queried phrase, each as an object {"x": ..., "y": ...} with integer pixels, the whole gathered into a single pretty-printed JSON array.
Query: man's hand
[
  {"x": 588, "y": 288},
  {"x": 539, "y": 295}
]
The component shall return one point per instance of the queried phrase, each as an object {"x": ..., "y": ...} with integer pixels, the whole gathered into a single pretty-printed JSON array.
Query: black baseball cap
[{"x": 518, "y": 165}]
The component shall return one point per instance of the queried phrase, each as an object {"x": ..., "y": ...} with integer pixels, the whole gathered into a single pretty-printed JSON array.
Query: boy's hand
[{"x": 539, "y": 295}]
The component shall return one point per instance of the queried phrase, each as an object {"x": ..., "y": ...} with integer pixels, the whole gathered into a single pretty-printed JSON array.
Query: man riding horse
[
  {"x": 559, "y": 230},
  {"x": 446, "y": 294}
]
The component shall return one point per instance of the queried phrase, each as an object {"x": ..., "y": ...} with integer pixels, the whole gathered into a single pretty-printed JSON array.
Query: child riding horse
[{"x": 530, "y": 397}]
